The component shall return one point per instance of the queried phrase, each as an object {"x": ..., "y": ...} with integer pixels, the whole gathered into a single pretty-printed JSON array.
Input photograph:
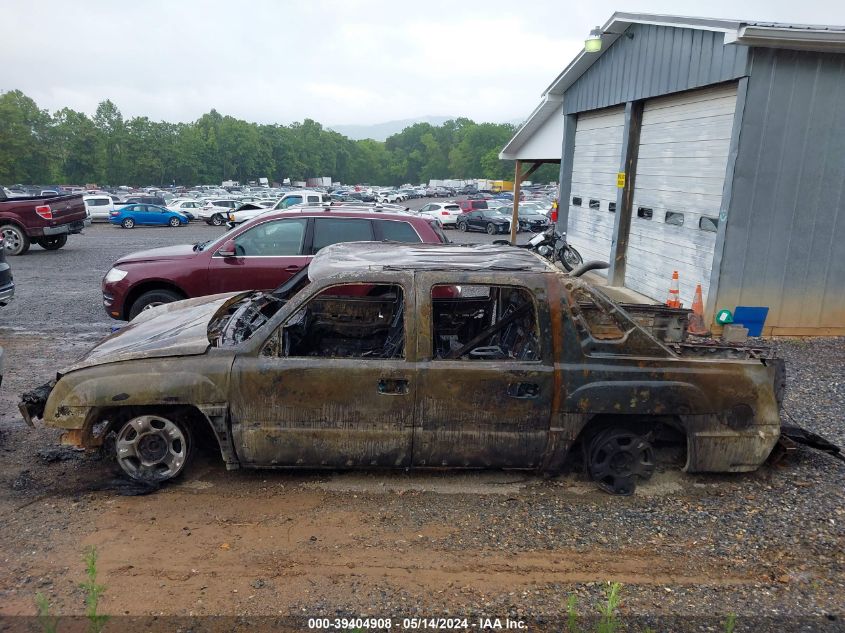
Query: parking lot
[{"x": 770, "y": 543}]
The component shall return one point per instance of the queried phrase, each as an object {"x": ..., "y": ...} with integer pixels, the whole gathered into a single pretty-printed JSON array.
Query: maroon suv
[{"x": 260, "y": 254}]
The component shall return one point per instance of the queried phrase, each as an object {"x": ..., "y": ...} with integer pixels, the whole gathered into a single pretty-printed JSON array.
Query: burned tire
[
  {"x": 17, "y": 242},
  {"x": 128, "y": 223},
  {"x": 462, "y": 226},
  {"x": 153, "y": 448},
  {"x": 152, "y": 298},
  {"x": 217, "y": 220},
  {"x": 617, "y": 458},
  {"x": 174, "y": 222},
  {"x": 52, "y": 243}
]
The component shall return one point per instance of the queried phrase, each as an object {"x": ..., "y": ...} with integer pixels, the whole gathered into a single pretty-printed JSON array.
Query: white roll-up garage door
[
  {"x": 598, "y": 146},
  {"x": 683, "y": 154}
]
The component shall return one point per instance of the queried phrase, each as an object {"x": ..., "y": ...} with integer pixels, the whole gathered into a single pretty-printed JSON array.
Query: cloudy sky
[{"x": 336, "y": 61}]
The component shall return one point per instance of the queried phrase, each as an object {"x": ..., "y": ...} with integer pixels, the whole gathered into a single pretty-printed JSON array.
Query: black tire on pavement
[
  {"x": 152, "y": 298},
  {"x": 217, "y": 220},
  {"x": 462, "y": 226},
  {"x": 174, "y": 221},
  {"x": 491, "y": 229},
  {"x": 16, "y": 241},
  {"x": 128, "y": 223},
  {"x": 52, "y": 243}
]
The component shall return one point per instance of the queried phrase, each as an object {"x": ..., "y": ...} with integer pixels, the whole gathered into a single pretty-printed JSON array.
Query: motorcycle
[{"x": 553, "y": 246}]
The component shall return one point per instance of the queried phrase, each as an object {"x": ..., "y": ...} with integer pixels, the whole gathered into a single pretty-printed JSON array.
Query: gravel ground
[{"x": 766, "y": 544}]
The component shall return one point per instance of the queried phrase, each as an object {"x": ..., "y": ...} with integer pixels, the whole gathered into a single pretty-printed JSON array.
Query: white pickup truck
[{"x": 300, "y": 196}]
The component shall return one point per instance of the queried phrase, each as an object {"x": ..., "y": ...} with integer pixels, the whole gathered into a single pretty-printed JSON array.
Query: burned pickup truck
[{"x": 415, "y": 356}]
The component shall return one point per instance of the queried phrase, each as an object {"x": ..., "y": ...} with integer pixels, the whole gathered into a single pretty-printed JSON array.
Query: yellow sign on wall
[{"x": 620, "y": 180}]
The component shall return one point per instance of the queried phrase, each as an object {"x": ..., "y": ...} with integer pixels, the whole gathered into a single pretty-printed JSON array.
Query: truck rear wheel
[
  {"x": 617, "y": 458},
  {"x": 17, "y": 242},
  {"x": 52, "y": 243}
]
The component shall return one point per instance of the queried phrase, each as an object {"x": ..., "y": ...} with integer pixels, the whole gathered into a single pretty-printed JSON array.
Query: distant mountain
[{"x": 380, "y": 131}]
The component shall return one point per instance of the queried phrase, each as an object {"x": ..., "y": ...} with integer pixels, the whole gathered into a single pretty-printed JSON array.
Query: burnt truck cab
[{"x": 416, "y": 356}]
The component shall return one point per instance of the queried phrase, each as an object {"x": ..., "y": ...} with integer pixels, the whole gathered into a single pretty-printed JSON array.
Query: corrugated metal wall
[
  {"x": 785, "y": 235},
  {"x": 658, "y": 60}
]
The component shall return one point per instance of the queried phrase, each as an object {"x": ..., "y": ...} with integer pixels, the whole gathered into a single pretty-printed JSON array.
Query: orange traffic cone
[
  {"x": 674, "y": 298},
  {"x": 696, "y": 319}
]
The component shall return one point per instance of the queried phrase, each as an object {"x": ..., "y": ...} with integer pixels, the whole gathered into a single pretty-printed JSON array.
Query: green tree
[
  {"x": 74, "y": 144},
  {"x": 24, "y": 140},
  {"x": 111, "y": 154},
  {"x": 72, "y": 147}
]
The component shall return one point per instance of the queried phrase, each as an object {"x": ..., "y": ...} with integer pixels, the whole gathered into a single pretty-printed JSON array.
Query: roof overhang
[
  {"x": 824, "y": 39},
  {"x": 550, "y": 105},
  {"x": 772, "y": 35}
]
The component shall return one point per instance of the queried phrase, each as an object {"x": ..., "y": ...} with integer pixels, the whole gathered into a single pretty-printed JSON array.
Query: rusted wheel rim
[{"x": 151, "y": 447}]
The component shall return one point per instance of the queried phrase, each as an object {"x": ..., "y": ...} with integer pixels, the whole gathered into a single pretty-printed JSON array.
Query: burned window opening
[
  {"x": 611, "y": 207},
  {"x": 484, "y": 323},
  {"x": 238, "y": 321},
  {"x": 350, "y": 321},
  {"x": 576, "y": 201},
  {"x": 645, "y": 213},
  {"x": 595, "y": 204}
]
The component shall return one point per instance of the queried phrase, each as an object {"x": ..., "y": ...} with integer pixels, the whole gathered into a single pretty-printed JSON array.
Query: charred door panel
[
  {"x": 322, "y": 412},
  {"x": 480, "y": 413},
  {"x": 333, "y": 387},
  {"x": 486, "y": 380}
]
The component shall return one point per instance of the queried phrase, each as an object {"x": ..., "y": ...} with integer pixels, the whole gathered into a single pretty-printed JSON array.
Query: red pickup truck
[{"x": 45, "y": 220}]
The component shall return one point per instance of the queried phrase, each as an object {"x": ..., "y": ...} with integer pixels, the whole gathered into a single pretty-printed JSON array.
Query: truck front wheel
[
  {"x": 52, "y": 243},
  {"x": 153, "y": 448},
  {"x": 16, "y": 241}
]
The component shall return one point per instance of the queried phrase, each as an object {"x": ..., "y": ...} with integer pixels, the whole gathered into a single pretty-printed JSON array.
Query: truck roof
[{"x": 363, "y": 256}]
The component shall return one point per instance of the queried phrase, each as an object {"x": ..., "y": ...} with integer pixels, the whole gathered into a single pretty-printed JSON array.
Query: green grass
[
  {"x": 93, "y": 593},
  {"x": 609, "y": 620},
  {"x": 42, "y": 607}
]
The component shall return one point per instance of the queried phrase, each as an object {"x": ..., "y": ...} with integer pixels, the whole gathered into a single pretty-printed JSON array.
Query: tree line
[{"x": 69, "y": 147}]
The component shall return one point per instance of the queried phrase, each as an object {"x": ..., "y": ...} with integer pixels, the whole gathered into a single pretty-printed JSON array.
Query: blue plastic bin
[{"x": 751, "y": 317}]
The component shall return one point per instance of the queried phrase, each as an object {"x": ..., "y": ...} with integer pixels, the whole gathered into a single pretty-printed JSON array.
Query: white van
[{"x": 99, "y": 206}]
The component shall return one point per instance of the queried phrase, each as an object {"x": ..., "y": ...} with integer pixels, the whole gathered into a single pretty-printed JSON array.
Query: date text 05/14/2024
[{"x": 417, "y": 624}]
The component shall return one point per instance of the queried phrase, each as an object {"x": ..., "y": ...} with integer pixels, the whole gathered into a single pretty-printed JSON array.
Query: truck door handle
[
  {"x": 523, "y": 390},
  {"x": 292, "y": 268},
  {"x": 392, "y": 387}
]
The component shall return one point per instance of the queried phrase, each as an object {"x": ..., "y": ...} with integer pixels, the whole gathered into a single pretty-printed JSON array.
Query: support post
[
  {"x": 567, "y": 159},
  {"x": 625, "y": 194},
  {"x": 517, "y": 185},
  {"x": 516, "y": 188}
]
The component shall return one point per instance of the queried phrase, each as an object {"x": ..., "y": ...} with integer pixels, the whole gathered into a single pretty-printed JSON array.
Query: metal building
[{"x": 712, "y": 147}]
